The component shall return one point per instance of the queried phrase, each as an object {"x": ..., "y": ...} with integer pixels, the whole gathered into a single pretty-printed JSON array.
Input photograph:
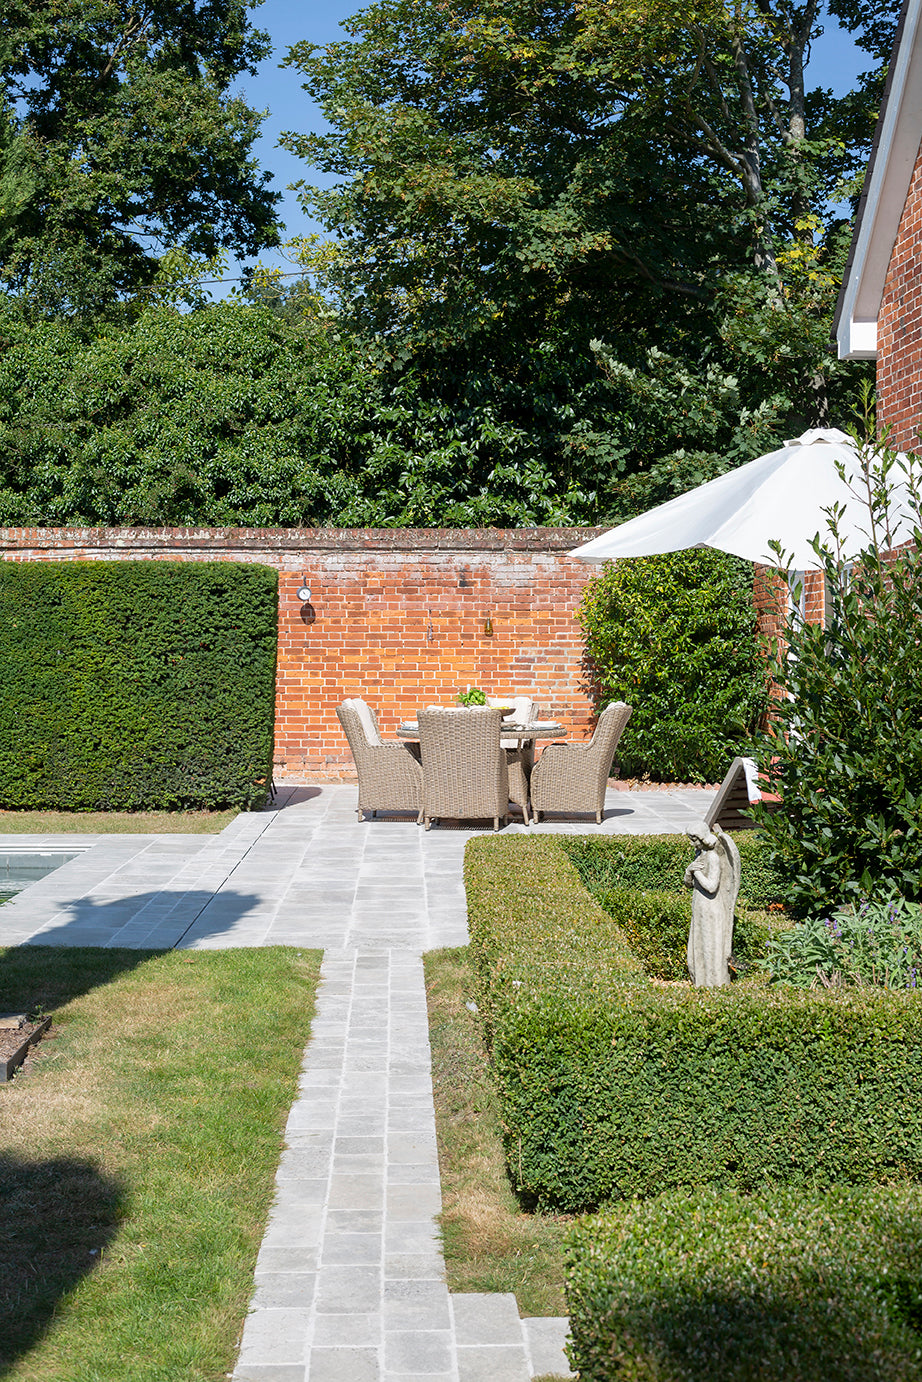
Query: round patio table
[{"x": 519, "y": 760}]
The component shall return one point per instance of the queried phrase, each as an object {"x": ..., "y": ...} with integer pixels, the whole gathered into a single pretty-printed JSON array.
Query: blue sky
[{"x": 835, "y": 63}]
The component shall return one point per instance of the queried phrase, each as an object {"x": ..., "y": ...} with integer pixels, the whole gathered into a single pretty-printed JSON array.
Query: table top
[{"x": 538, "y": 729}]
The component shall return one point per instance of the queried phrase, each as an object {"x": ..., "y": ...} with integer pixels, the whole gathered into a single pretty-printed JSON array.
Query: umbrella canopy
[{"x": 781, "y": 496}]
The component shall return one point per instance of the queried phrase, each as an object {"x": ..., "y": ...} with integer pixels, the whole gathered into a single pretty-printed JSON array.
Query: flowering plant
[{"x": 872, "y": 943}]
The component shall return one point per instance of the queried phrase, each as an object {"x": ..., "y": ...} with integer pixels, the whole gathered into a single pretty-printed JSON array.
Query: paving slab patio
[{"x": 350, "y": 1280}]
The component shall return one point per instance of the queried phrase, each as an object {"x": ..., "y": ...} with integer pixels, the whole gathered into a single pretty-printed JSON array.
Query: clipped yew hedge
[
  {"x": 136, "y": 685},
  {"x": 788, "y": 1284},
  {"x": 613, "y": 1086}
]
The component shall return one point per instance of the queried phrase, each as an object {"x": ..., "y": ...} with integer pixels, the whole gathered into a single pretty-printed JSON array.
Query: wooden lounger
[{"x": 739, "y": 791}]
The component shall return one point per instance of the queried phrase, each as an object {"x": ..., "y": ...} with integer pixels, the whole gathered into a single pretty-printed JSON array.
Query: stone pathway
[{"x": 350, "y": 1283}]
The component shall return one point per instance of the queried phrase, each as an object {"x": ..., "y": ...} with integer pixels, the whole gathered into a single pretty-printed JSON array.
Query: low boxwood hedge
[
  {"x": 614, "y": 1086},
  {"x": 785, "y": 1285},
  {"x": 534, "y": 924},
  {"x": 136, "y": 685},
  {"x": 659, "y": 862}
]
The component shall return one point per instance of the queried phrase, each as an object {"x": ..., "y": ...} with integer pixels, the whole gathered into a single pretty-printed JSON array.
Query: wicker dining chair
[
  {"x": 520, "y": 753},
  {"x": 464, "y": 767},
  {"x": 571, "y": 778},
  {"x": 390, "y": 778}
]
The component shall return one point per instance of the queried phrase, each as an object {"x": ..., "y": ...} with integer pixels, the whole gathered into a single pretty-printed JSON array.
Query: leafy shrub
[
  {"x": 534, "y": 917},
  {"x": 875, "y": 943},
  {"x": 675, "y": 637},
  {"x": 638, "y": 880},
  {"x": 611, "y": 1087},
  {"x": 136, "y": 685},
  {"x": 783, "y": 1284},
  {"x": 844, "y": 749}
]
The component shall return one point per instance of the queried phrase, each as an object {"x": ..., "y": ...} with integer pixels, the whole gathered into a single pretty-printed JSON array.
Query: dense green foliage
[
  {"x": 844, "y": 746},
  {"x": 533, "y": 923},
  {"x": 675, "y": 637},
  {"x": 236, "y": 415},
  {"x": 659, "y": 861},
  {"x": 614, "y": 1087},
  {"x": 120, "y": 137},
  {"x": 783, "y": 1284},
  {"x": 136, "y": 685},
  {"x": 873, "y": 943},
  {"x": 523, "y": 191},
  {"x": 554, "y": 295},
  {"x": 655, "y": 923}
]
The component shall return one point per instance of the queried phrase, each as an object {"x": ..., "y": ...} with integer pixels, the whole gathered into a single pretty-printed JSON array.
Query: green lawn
[
  {"x": 490, "y": 1244},
  {"x": 114, "y": 822},
  {"x": 138, "y": 1155}
]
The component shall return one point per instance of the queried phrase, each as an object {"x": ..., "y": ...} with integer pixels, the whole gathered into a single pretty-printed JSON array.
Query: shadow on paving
[
  {"x": 99, "y": 923},
  {"x": 60, "y": 964},
  {"x": 56, "y": 1219}
]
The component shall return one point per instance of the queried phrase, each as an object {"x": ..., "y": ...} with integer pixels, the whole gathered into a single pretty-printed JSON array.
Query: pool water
[{"x": 19, "y": 868}]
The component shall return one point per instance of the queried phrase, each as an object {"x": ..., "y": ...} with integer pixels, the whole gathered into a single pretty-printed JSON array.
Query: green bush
[
  {"x": 844, "y": 748},
  {"x": 638, "y": 881},
  {"x": 675, "y": 637},
  {"x": 781, "y": 1285},
  {"x": 533, "y": 918},
  {"x": 656, "y": 923},
  {"x": 136, "y": 685},
  {"x": 612, "y": 1087}
]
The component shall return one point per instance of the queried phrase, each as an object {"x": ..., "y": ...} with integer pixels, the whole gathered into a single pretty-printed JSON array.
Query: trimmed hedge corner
[
  {"x": 136, "y": 685},
  {"x": 789, "y": 1284},
  {"x": 533, "y": 923},
  {"x": 612, "y": 1086}
]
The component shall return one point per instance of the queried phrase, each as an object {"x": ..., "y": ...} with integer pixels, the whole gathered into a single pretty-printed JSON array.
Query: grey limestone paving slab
[
  {"x": 350, "y": 1280},
  {"x": 545, "y": 1342}
]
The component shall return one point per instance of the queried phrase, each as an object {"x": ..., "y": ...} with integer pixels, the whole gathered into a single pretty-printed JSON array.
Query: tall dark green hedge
[{"x": 136, "y": 685}]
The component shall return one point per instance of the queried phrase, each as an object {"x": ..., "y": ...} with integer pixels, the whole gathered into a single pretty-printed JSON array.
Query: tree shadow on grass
[
  {"x": 37, "y": 979},
  {"x": 57, "y": 965},
  {"x": 57, "y": 1218}
]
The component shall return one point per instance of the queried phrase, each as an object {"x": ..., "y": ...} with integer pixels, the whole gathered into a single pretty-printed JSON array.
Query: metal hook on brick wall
[{"x": 430, "y": 631}]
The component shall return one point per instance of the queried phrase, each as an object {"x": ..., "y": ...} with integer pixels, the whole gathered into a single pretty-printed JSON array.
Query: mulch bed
[{"x": 12, "y": 1038}]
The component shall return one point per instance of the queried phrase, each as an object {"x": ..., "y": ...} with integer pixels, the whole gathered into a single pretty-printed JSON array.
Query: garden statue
[{"x": 714, "y": 877}]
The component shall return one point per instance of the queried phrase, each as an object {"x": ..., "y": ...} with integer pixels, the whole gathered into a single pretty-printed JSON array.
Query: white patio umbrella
[{"x": 779, "y": 497}]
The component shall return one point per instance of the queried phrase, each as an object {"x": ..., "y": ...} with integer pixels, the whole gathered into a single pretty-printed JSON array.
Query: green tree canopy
[
  {"x": 643, "y": 194},
  {"x": 510, "y": 158},
  {"x": 120, "y": 136}
]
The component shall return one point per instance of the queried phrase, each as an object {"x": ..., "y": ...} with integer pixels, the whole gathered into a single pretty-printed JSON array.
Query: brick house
[{"x": 879, "y": 312}]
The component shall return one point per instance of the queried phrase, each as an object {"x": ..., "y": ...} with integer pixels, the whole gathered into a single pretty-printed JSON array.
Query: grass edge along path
[
  {"x": 114, "y": 822},
  {"x": 490, "y": 1244},
  {"x": 138, "y": 1156}
]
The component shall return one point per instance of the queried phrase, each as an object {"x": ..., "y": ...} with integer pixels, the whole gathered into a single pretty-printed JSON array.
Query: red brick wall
[
  {"x": 770, "y": 596},
  {"x": 899, "y": 328},
  {"x": 397, "y": 616}
]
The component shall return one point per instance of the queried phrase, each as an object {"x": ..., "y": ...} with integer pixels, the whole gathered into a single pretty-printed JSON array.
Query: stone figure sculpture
[{"x": 714, "y": 877}]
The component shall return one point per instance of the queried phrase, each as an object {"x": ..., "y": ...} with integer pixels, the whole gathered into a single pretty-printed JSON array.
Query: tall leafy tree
[
  {"x": 120, "y": 136},
  {"x": 640, "y": 185},
  {"x": 505, "y": 155}
]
